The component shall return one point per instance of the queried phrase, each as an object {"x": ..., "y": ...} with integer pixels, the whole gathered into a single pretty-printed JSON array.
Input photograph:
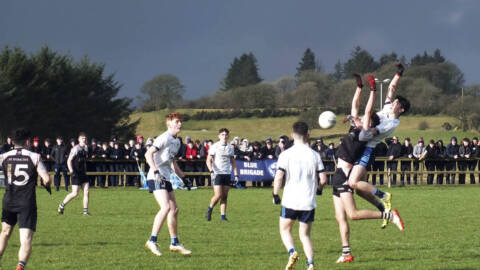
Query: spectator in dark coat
[
  {"x": 104, "y": 154},
  {"x": 452, "y": 154},
  {"x": 46, "y": 154},
  {"x": 440, "y": 163},
  {"x": 9, "y": 145},
  {"x": 407, "y": 152},
  {"x": 35, "y": 147},
  {"x": 59, "y": 157},
  {"x": 475, "y": 155},
  {"x": 430, "y": 156},
  {"x": 329, "y": 162},
  {"x": 379, "y": 165},
  {"x": 137, "y": 154},
  {"x": 93, "y": 151},
  {"x": 465, "y": 154},
  {"x": 394, "y": 151},
  {"x": 115, "y": 166},
  {"x": 268, "y": 150}
]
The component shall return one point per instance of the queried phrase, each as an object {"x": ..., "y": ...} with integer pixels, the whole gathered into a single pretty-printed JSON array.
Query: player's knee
[
  {"x": 6, "y": 232},
  {"x": 174, "y": 210},
  {"x": 353, "y": 215},
  {"x": 352, "y": 184}
]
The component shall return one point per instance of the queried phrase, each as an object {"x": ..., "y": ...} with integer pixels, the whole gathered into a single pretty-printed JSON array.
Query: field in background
[
  {"x": 441, "y": 232},
  {"x": 153, "y": 124}
]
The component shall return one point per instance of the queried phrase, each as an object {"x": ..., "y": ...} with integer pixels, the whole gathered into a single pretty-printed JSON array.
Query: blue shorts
[
  {"x": 152, "y": 186},
  {"x": 222, "y": 180},
  {"x": 302, "y": 216},
  {"x": 367, "y": 157}
]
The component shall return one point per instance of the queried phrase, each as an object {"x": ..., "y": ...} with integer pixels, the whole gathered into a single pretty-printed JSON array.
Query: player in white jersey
[
  {"x": 21, "y": 168},
  {"x": 304, "y": 172},
  {"x": 220, "y": 162},
  {"x": 160, "y": 158},
  {"x": 389, "y": 121},
  {"x": 77, "y": 165}
]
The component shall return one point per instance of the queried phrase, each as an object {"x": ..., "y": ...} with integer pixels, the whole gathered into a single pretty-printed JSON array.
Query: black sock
[
  {"x": 377, "y": 192},
  {"x": 380, "y": 207}
]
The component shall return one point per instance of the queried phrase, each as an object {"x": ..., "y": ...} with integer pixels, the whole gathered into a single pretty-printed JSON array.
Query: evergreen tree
[
  {"x": 242, "y": 72},
  {"x": 51, "y": 95},
  {"x": 308, "y": 62},
  {"x": 361, "y": 62},
  {"x": 338, "y": 72}
]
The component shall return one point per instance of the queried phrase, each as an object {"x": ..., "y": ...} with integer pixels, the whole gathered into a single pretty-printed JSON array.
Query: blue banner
[{"x": 258, "y": 170}]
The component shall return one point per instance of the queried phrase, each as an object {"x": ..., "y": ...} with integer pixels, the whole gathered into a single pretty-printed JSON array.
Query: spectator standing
[
  {"x": 380, "y": 151},
  {"x": 257, "y": 154},
  {"x": 59, "y": 157},
  {"x": 104, "y": 154},
  {"x": 115, "y": 155},
  {"x": 475, "y": 156},
  {"x": 281, "y": 146},
  {"x": 46, "y": 154},
  {"x": 407, "y": 152},
  {"x": 35, "y": 147},
  {"x": 202, "y": 153},
  {"x": 9, "y": 145},
  {"x": 138, "y": 154},
  {"x": 93, "y": 151},
  {"x": 451, "y": 164},
  {"x": 329, "y": 162},
  {"x": 268, "y": 153},
  {"x": 430, "y": 156},
  {"x": 128, "y": 166},
  {"x": 418, "y": 152},
  {"x": 465, "y": 153},
  {"x": 190, "y": 157},
  {"x": 181, "y": 154},
  {"x": 440, "y": 162},
  {"x": 394, "y": 151}
]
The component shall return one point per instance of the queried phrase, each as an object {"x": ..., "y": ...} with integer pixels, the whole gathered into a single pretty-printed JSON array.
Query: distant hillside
[{"x": 153, "y": 123}]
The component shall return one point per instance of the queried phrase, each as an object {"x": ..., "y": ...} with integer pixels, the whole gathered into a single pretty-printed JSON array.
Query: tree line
[
  {"x": 53, "y": 95},
  {"x": 433, "y": 84}
]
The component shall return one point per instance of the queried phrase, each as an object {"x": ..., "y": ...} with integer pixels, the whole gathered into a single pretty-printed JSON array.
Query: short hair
[
  {"x": 404, "y": 103},
  {"x": 21, "y": 135},
  {"x": 300, "y": 128},
  {"x": 466, "y": 140},
  {"x": 374, "y": 119},
  {"x": 82, "y": 134},
  {"x": 173, "y": 115},
  {"x": 223, "y": 130}
]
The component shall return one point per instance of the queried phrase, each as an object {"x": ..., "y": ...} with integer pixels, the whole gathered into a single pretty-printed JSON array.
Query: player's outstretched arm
[
  {"x": 356, "y": 96},
  {"x": 369, "y": 108},
  {"x": 392, "y": 87}
]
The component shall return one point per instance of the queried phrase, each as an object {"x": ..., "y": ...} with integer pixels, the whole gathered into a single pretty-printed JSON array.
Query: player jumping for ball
[
  {"x": 304, "y": 172},
  {"x": 19, "y": 202},
  {"x": 160, "y": 158},
  {"x": 350, "y": 150},
  {"x": 389, "y": 121},
  {"x": 220, "y": 162}
]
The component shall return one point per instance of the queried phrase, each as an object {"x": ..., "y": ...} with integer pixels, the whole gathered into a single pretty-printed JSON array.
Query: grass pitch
[{"x": 442, "y": 231}]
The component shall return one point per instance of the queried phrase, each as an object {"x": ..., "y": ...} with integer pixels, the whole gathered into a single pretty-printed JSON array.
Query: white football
[{"x": 327, "y": 119}]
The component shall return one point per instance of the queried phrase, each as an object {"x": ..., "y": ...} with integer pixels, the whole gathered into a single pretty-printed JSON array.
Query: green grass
[
  {"x": 442, "y": 232},
  {"x": 153, "y": 124}
]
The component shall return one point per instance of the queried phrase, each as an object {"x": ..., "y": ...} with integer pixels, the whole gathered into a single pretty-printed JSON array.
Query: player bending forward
[
  {"x": 160, "y": 158},
  {"x": 19, "y": 202},
  {"x": 389, "y": 121},
  {"x": 303, "y": 169},
  {"x": 220, "y": 162},
  {"x": 349, "y": 152}
]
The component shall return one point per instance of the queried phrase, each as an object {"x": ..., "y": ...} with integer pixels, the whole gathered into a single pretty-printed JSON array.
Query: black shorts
[
  {"x": 222, "y": 180},
  {"x": 79, "y": 178},
  {"x": 152, "y": 186},
  {"x": 339, "y": 183},
  {"x": 302, "y": 216},
  {"x": 26, "y": 218}
]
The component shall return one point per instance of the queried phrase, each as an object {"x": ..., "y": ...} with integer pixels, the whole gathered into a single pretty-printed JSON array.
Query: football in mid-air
[{"x": 327, "y": 119}]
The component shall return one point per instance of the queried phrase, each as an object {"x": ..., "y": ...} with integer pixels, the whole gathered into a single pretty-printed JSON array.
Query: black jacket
[
  {"x": 59, "y": 154},
  {"x": 395, "y": 150}
]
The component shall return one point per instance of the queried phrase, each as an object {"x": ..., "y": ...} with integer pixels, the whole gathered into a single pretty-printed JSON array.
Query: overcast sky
[{"x": 197, "y": 40}]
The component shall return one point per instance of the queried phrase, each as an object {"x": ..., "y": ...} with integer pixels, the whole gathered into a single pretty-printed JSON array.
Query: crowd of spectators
[{"x": 113, "y": 156}]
